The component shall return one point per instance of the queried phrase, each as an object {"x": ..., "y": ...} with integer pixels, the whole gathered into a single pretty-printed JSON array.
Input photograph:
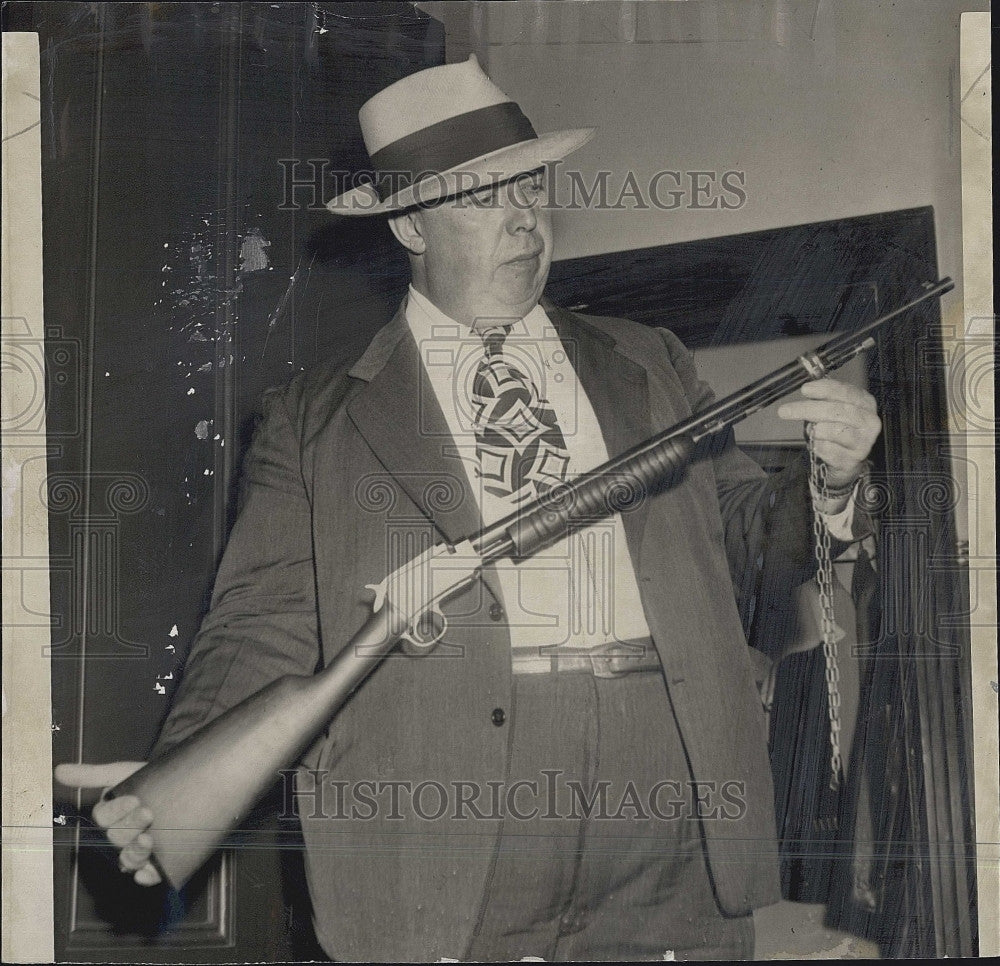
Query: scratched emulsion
[
  {"x": 188, "y": 301},
  {"x": 191, "y": 296},
  {"x": 253, "y": 256},
  {"x": 200, "y": 310}
]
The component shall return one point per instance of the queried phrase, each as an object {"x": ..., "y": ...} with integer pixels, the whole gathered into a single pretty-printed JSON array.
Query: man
[{"x": 579, "y": 769}]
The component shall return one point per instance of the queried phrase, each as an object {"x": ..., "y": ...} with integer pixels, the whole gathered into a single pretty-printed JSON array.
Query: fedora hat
[{"x": 443, "y": 131}]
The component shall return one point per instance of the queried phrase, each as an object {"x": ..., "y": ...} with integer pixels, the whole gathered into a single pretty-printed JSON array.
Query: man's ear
[{"x": 407, "y": 229}]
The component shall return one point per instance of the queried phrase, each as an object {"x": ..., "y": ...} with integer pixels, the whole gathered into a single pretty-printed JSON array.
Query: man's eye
[
  {"x": 533, "y": 184},
  {"x": 484, "y": 199}
]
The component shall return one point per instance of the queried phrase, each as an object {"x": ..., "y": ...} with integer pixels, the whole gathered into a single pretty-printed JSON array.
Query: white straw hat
[{"x": 443, "y": 131}]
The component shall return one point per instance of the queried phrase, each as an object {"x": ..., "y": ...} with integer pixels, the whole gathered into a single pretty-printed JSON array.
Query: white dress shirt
[{"x": 580, "y": 592}]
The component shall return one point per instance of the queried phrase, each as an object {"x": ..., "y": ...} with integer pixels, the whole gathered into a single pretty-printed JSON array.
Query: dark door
[{"x": 189, "y": 265}]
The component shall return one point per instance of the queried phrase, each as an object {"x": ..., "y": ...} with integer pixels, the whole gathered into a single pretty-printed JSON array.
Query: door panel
[{"x": 171, "y": 238}]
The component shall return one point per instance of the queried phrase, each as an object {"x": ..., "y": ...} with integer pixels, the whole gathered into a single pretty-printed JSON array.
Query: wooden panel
[{"x": 168, "y": 250}]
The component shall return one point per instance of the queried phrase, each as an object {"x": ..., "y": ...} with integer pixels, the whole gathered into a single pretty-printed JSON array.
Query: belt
[{"x": 605, "y": 661}]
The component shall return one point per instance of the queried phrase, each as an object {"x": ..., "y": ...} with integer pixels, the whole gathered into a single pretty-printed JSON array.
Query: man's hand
[
  {"x": 124, "y": 819},
  {"x": 845, "y": 426}
]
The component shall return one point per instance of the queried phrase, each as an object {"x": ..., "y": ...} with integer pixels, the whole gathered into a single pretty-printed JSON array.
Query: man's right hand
[{"x": 124, "y": 819}]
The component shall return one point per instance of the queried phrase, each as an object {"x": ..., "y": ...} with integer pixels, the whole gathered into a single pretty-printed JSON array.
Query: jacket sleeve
[
  {"x": 767, "y": 519},
  {"x": 262, "y": 622}
]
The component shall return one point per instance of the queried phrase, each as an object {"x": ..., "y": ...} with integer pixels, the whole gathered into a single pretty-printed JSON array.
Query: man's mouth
[{"x": 527, "y": 256}]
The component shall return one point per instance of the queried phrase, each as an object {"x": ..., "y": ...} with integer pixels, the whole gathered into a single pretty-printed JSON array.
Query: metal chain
[{"x": 824, "y": 579}]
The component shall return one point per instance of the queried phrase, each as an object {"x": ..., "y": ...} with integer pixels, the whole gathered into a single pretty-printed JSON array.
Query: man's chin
[
  {"x": 507, "y": 312},
  {"x": 519, "y": 295}
]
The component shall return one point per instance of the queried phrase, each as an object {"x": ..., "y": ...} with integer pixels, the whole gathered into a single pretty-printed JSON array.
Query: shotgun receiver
[{"x": 205, "y": 786}]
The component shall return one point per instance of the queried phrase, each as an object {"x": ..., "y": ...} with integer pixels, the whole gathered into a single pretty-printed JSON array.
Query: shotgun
[{"x": 206, "y": 785}]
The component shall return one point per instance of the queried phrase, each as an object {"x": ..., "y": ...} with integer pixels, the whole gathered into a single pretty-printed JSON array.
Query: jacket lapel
[
  {"x": 399, "y": 417},
  {"x": 618, "y": 390}
]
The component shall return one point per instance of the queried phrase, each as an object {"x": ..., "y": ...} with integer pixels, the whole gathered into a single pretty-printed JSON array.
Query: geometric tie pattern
[{"x": 521, "y": 449}]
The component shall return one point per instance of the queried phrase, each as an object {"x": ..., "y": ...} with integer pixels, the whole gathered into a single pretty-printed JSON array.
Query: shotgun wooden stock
[{"x": 203, "y": 787}]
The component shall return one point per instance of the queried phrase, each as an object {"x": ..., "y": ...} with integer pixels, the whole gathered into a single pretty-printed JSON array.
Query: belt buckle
[
  {"x": 602, "y": 666},
  {"x": 620, "y": 660}
]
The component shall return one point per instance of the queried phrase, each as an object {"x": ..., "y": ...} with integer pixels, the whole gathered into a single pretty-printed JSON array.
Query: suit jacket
[{"x": 348, "y": 471}]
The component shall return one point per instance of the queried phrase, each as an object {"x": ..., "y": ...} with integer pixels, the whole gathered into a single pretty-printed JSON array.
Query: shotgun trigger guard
[{"x": 416, "y": 639}]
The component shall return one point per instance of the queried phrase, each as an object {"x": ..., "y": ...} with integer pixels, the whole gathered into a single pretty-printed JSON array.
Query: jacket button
[
  {"x": 496, "y": 612},
  {"x": 498, "y": 716}
]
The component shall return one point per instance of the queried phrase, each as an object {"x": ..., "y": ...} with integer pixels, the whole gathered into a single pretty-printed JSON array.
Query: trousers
[{"x": 601, "y": 856}]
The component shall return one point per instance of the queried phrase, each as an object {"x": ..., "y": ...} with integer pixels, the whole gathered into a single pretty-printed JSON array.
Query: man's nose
[{"x": 521, "y": 208}]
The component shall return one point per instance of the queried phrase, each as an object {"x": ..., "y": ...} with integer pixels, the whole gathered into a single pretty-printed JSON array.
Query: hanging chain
[{"x": 824, "y": 579}]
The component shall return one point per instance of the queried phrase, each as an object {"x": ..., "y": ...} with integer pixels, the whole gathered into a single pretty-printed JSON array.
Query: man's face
[{"x": 487, "y": 253}]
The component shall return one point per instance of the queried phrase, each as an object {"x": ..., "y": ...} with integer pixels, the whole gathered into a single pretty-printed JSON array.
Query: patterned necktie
[{"x": 520, "y": 446}]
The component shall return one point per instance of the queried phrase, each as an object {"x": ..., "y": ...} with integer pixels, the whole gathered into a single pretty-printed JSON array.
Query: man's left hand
[{"x": 845, "y": 426}]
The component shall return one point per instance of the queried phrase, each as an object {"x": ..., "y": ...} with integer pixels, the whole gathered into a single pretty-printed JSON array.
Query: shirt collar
[{"x": 427, "y": 321}]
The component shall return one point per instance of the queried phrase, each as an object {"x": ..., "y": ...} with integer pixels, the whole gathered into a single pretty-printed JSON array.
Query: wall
[{"x": 831, "y": 109}]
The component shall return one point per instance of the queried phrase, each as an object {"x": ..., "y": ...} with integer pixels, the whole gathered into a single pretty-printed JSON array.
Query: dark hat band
[{"x": 449, "y": 144}]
